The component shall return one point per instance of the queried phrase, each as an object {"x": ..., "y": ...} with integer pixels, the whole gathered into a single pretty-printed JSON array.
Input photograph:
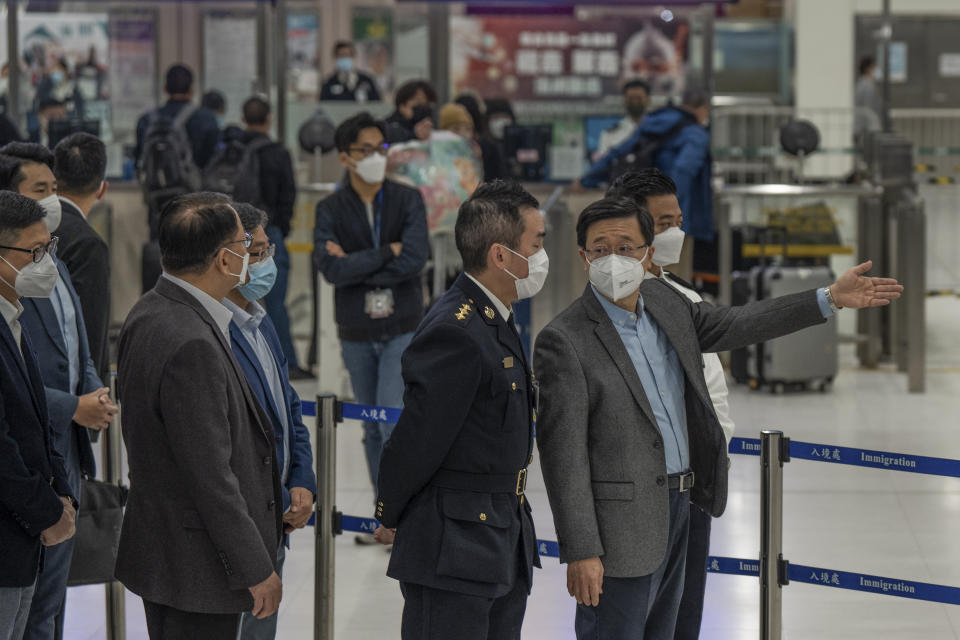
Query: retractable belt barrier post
[
  {"x": 325, "y": 513},
  {"x": 773, "y": 571},
  {"x": 113, "y": 473}
]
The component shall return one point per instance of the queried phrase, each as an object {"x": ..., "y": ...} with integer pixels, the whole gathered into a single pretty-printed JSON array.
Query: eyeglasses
[
  {"x": 39, "y": 252},
  {"x": 247, "y": 240},
  {"x": 269, "y": 252},
  {"x": 367, "y": 150},
  {"x": 628, "y": 250}
]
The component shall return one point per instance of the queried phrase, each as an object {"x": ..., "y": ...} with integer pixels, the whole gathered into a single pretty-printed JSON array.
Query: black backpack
[
  {"x": 644, "y": 152},
  {"x": 167, "y": 168},
  {"x": 235, "y": 170}
]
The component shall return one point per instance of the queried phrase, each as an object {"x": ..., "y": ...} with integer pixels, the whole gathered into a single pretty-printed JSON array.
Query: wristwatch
[{"x": 830, "y": 301}]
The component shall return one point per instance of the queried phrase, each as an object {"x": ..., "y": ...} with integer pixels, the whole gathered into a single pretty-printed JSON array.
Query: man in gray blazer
[
  {"x": 627, "y": 433},
  {"x": 203, "y": 520}
]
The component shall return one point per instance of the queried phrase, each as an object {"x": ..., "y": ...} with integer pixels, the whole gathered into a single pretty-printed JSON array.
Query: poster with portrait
[{"x": 561, "y": 58}]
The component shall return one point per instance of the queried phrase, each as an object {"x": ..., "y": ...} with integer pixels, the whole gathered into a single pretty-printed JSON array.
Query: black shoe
[{"x": 296, "y": 373}]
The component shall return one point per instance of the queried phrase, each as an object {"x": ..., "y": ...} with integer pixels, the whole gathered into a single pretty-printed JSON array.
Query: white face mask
[
  {"x": 538, "y": 265},
  {"x": 668, "y": 246},
  {"x": 242, "y": 276},
  {"x": 498, "y": 127},
  {"x": 36, "y": 280},
  {"x": 616, "y": 276},
  {"x": 51, "y": 205},
  {"x": 372, "y": 169}
]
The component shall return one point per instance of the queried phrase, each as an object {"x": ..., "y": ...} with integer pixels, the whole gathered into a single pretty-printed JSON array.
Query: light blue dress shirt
[
  {"x": 67, "y": 318},
  {"x": 661, "y": 375},
  {"x": 249, "y": 325}
]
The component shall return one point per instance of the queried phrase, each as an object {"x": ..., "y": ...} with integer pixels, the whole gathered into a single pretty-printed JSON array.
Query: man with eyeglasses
[
  {"x": 37, "y": 503},
  {"x": 257, "y": 348},
  {"x": 371, "y": 243},
  {"x": 77, "y": 400},
  {"x": 203, "y": 518},
  {"x": 628, "y": 435}
]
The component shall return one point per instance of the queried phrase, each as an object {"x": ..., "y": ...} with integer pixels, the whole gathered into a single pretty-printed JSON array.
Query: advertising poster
[
  {"x": 561, "y": 58},
  {"x": 133, "y": 79},
  {"x": 302, "y": 40},
  {"x": 373, "y": 37}
]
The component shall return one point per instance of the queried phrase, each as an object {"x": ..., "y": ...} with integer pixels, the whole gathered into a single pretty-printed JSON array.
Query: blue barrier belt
[{"x": 874, "y": 584}]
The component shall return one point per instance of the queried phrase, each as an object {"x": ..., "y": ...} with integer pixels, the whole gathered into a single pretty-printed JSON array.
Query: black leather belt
[
  {"x": 515, "y": 483},
  {"x": 681, "y": 481}
]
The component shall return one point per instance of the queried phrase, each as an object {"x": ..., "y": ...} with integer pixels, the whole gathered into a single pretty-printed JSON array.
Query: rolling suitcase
[{"x": 802, "y": 360}]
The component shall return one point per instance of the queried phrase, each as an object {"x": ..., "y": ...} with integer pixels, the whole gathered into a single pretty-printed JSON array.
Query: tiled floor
[{"x": 873, "y": 521}]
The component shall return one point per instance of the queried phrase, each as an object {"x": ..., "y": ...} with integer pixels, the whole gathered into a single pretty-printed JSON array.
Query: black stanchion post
[
  {"x": 113, "y": 473},
  {"x": 774, "y": 451},
  {"x": 324, "y": 511}
]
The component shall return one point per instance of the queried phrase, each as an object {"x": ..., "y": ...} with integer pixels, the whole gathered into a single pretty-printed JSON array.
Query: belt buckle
[
  {"x": 686, "y": 481},
  {"x": 521, "y": 482}
]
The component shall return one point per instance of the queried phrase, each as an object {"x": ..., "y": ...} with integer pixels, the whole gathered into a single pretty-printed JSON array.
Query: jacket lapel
[
  {"x": 34, "y": 381},
  {"x": 14, "y": 349},
  {"x": 485, "y": 308},
  {"x": 48, "y": 318},
  {"x": 654, "y": 305},
  {"x": 611, "y": 341},
  {"x": 246, "y": 350}
]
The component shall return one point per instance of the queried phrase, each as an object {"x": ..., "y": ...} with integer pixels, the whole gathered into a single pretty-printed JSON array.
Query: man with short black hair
[
  {"x": 453, "y": 475},
  {"x": 80, "y": 168},
  {"x": 203, "y": 518},
  {"x": 257, "y": 348},
  {"x": 216, "y": 102},
  {"x": 636, "y": 99},
  {"x": 278, "y": 193},
  {"x": 371, "y": 244},
  {"x": 37, "y": 503},
  {"x": 653, "y": 190},
  {"x": 628, "y": 435},
  {"x": 201, "y": 126},
  {"x": 866, "y": 99},
  {"x": 347, "y": 84}
]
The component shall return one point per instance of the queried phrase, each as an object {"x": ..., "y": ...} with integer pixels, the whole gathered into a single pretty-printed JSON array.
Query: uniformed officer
[{"x": 453, "y": 474}]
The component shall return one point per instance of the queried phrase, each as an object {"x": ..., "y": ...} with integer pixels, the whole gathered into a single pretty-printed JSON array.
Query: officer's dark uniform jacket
[{"x": 453, "y": 472}]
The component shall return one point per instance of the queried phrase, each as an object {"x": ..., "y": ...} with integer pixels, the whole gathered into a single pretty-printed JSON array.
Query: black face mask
[{"x": 635, "y": 111}]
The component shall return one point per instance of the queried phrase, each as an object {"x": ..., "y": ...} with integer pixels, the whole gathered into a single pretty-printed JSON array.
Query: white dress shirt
[
  {"x": 221, "y": 315},
  {"x": 712, "y": 371},
  {"x": 11, "y": 314}
]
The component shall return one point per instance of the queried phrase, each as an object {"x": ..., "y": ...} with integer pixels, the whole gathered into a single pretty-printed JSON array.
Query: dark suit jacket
[
  {"x": 202, "y": 522},
  {"x": 301, "y": 456},
  {"x": 32, "y": 474},
  {"x": 88, "y": 260},
  {"x": 40, "y": 321},
  {"x": 468, "y": 409},
  {"x": 601, "y": 450}
]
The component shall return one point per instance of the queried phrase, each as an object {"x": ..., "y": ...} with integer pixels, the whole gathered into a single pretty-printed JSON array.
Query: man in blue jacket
[
  {"x": 256, "y": 346},
  {"x": 683, "y": 154},
  {"x": 76, "y": 401},
  {"x": 37, "y": 505}
]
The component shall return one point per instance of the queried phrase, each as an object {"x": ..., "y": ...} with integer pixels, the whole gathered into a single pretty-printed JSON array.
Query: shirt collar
[
  {"x": 11, "y": 312},
  {"x": 618, "y": 315},
  {"x": 502, "y": 308},
  {"x": 246, "y": 319},
  {"x": 220, "y": 314},
  {"x": 74, "y": 205}
]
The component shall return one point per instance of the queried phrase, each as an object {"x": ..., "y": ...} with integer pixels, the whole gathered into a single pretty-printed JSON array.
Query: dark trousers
[
  {"x": 645, "y": 607},
  {"x": 46, "y": 621},
  {"x": 695, "y": 581},
  {"x": 433, "y": 614},
  {"x": 167, "y": 623},
  {"x": 275, "y": 302}
]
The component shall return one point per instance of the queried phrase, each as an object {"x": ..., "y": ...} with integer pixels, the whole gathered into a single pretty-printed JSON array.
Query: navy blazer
[
  {"x": 40, "y": 320},
  {"x": 32, "y": 473},
  {"x": 301, "y": 456}
]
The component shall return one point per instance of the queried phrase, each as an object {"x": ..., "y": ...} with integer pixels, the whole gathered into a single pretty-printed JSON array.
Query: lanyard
[{"x": 378, "y": 205}]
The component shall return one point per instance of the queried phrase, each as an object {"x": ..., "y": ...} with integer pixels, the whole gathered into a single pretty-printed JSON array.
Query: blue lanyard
[{"x": 376, "y": 218}]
